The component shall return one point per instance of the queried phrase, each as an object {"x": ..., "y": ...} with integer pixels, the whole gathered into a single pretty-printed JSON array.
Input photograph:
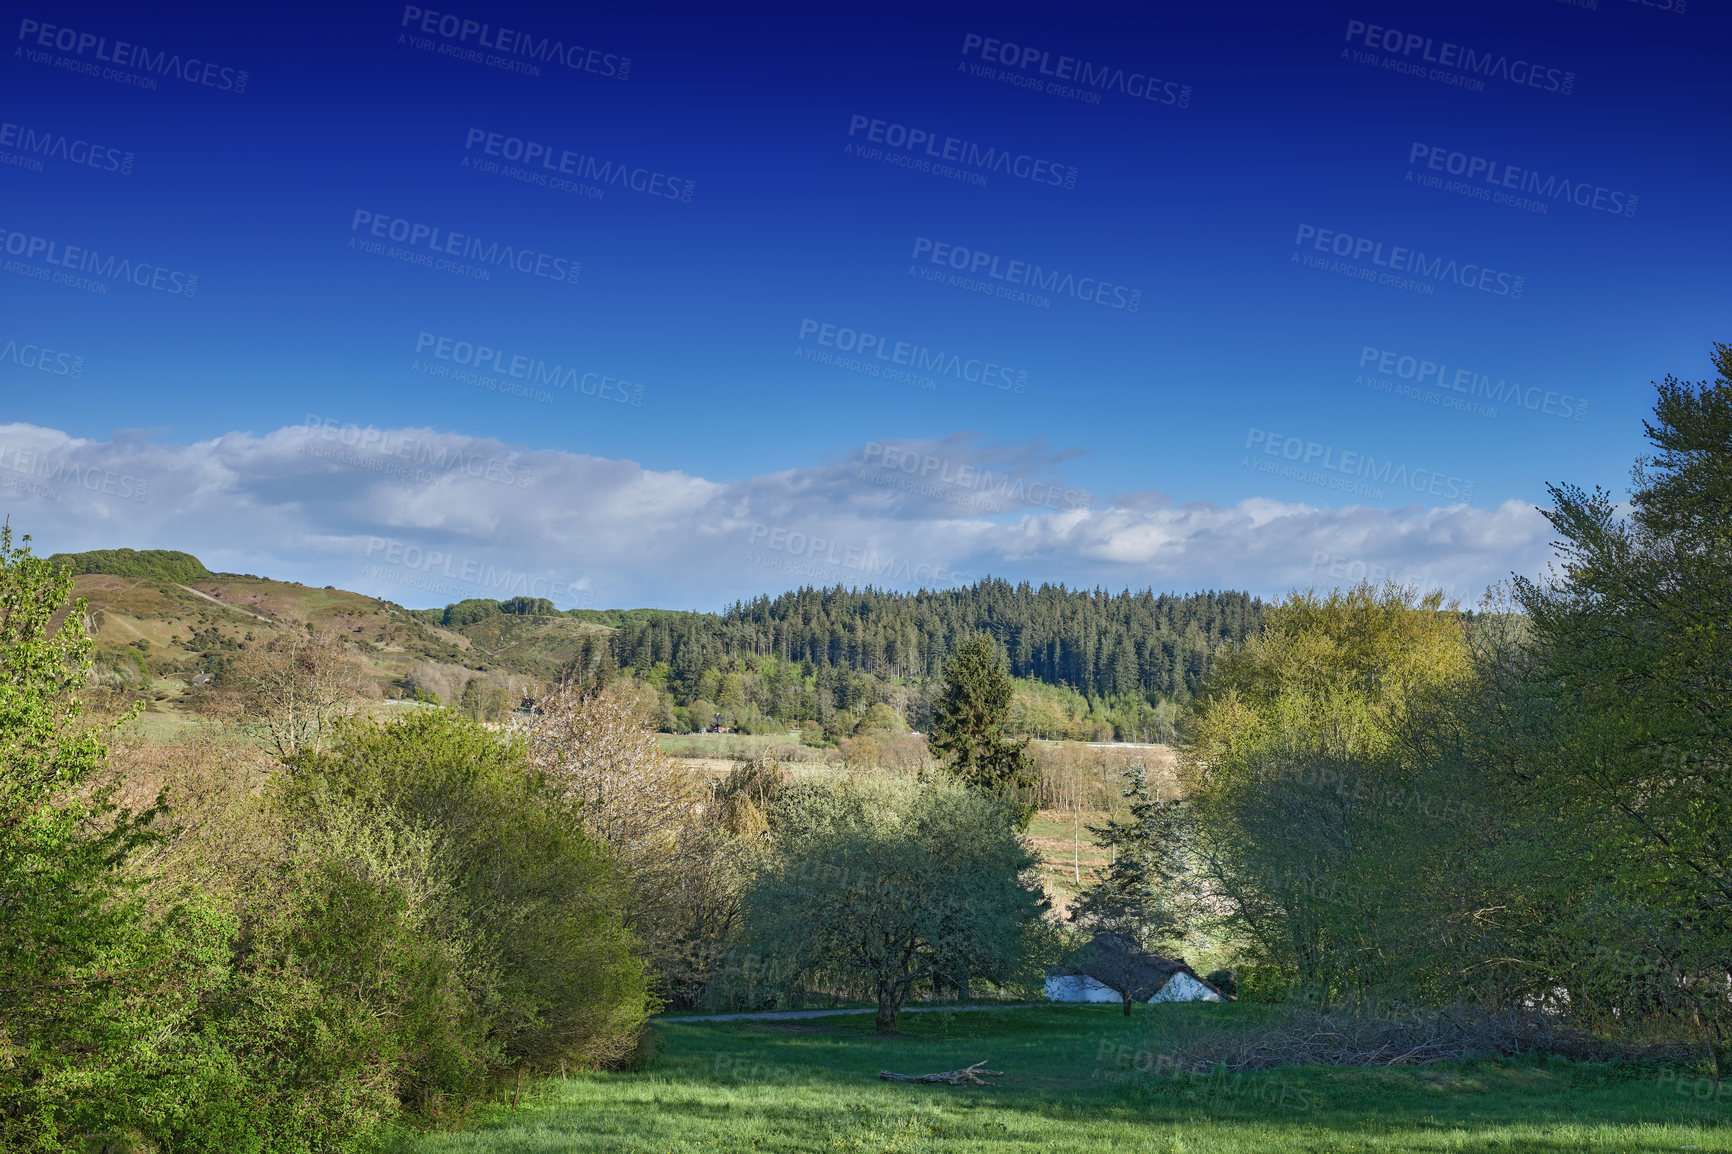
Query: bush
[
  {"x": 523, "y": 902},
  {"x": 1224, "y": 981}
]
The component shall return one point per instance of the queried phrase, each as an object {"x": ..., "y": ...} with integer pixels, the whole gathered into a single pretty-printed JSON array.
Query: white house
[{"x": 1110, "y": 963}]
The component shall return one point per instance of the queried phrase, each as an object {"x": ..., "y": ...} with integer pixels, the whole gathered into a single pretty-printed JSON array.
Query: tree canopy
[{"x": 884, "y": 883}]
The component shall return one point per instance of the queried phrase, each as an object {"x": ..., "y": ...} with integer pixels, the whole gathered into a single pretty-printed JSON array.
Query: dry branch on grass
[{"x": 963, "y": 1077}]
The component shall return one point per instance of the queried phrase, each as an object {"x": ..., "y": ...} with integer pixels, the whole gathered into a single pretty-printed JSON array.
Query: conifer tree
[
  {"x": 968, "y": 723},
  {"x": 1140, "y": 895}
]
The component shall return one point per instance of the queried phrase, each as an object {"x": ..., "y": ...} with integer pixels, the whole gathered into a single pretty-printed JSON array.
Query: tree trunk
[
  {"x": 1127, "y": 997},
  {"x": 889, "y": 1005}
]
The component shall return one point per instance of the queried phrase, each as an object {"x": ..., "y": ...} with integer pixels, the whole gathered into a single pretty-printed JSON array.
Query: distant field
[
  {"x": 1071, "y": 1083},
  {"x": 1060, "y": 834},
  {"x": 740, "y": 746}
]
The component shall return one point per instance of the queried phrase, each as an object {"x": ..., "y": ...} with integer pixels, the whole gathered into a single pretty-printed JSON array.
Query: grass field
[{"x": 1071, "y": 1082}]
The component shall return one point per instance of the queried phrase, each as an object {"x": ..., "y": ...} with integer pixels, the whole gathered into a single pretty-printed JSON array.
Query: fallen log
[{"x": 962, "y": 1077}]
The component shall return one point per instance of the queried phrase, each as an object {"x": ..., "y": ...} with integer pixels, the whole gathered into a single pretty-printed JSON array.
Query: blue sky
[{"x": 1290, "y": 160}]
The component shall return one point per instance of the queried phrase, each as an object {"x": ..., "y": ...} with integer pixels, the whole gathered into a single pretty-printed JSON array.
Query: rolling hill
[{"x": 166, "y": 620}]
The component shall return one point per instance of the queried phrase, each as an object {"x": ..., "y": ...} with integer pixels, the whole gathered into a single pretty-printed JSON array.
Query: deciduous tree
[{"x": 887, "y": 883}]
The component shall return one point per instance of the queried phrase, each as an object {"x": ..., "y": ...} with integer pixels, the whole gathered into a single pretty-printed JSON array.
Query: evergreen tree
[
  {"x": 1139, "y": 895},
  {"x": 968, "y": 722}
]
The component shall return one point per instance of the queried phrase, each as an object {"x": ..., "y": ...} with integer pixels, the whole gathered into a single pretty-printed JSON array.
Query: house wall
[
  {"x": 1078, "y": 988},
  {"x": 1182, "y": 987},
  {"x": 1082, "y": 988}
]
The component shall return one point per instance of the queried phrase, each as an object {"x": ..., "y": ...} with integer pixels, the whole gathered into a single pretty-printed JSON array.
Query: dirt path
[
  {"x": 225, "y": 604},
  {"x": 790, "y": 1015}
]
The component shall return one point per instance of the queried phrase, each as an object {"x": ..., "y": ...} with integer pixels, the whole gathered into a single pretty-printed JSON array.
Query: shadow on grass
[{"x": 1078, "y": 1078}]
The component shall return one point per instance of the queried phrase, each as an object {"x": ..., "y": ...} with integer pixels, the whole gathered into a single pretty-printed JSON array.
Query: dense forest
[
  {"x": 1089, "y": 663},
  {"x": 1099, "y": 643}
]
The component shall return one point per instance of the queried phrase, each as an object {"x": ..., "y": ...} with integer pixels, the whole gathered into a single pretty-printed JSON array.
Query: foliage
[
  {"x": 1525, "y": 807},
  {"x": 530, "y": 919},
  {"x": 470, "y": 610},
  {"x": 529, "y": 606},
  {"x": 968, "y": 723},
  {"x": 882, "y": 883},
  {"x": 295, "y": 689},
  {"x": 598, "y": 755},
  {"x": 150, "y": 564},
  {"x": 1060, "y": 713},
  {"x": 373, "y": 939},
  {"x": 1142, "y": 893},
  {"x": 484, "y": 701},
  {"x": 1101, "y": 644},
  {"x": 1323, "y": 838},
  {"x": 1611, "y": 739},
  {"x": 88, "y": 980}
]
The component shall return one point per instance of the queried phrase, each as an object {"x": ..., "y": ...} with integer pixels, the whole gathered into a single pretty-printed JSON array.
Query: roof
[{"x": 1116, "y": 961}]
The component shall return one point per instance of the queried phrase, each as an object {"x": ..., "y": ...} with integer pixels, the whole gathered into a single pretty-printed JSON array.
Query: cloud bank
[{"x": 424, "y": 517}]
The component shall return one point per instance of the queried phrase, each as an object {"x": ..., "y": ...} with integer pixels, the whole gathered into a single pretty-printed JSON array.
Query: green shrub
[
  {"x": 97, "y": 989},
  {"x": 528, "y": 905}
]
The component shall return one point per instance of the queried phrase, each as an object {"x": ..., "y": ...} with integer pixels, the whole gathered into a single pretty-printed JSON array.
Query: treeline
[
  {"x": 1118, "y": 666},
  {"x": 1090, "y": 665},
  {"x": 1528, "y": 810},
  {"x": 150, "y": 564},
  {"x": 1099, "y": 643}
]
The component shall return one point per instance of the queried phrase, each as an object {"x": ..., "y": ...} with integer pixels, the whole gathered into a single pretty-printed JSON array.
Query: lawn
[{"x": 1071, "y": 1082}]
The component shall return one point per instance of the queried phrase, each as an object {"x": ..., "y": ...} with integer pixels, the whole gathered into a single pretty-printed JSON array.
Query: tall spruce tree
[
  {"x": 968, "y": 723},
  {"x": 1139, "y": 895}
]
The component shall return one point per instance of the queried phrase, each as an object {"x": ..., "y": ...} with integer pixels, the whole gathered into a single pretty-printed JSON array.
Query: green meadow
[{"x": 1078, "y": 1078}]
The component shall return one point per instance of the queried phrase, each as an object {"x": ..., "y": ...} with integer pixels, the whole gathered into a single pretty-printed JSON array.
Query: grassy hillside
[
  {"x": 155, "y": 634},
  {"x": 537, "y": 645}
]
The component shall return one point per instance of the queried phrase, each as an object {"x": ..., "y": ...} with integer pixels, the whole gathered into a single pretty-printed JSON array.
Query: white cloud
[{"x": 425, "y": 517}]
